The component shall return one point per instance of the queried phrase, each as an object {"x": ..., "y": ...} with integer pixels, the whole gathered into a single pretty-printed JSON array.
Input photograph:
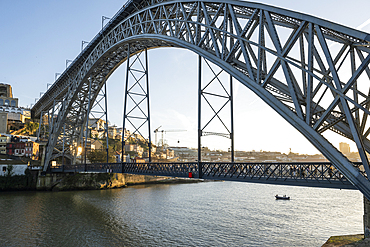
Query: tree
[
  {"x": 100, "y": 156},
  {"x": 31, "y": 127},
  {"x": 9, "y": 171}
]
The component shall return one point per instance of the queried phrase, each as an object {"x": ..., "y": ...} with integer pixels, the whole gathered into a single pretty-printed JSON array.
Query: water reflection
[{"x": 204, "y": 214}]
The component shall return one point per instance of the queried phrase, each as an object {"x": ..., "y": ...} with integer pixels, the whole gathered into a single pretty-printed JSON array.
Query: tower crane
[
  {"x": 155, "y": 132},
  {"x": 165, "y": 131}
]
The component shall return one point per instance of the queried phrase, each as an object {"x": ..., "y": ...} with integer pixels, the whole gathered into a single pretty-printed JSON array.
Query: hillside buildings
[
  {"x": 12, "y": 117},
  {"x": 23, "y": 147},
  {"x": 344, "y": 148},
  {"x": 3, "y": 141}
]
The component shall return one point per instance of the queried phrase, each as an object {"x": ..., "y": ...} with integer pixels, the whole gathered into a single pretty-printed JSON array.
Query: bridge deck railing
[{"x": 322, "y": 174}]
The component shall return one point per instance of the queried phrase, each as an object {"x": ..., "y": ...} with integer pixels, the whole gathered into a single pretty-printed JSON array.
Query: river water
[{"x": 200, "y": 214}]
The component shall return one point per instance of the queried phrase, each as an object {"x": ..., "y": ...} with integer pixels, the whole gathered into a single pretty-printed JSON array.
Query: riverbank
[
  {"x": 83, "y": 181},
  {"x": 347, "y": 241}
]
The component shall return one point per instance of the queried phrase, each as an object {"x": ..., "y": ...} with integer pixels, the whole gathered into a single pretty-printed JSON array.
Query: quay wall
[{"x": 92, "y": 181}]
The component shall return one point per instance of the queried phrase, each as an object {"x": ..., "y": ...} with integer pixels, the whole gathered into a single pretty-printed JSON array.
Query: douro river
[{"x": 201, "y": 214}]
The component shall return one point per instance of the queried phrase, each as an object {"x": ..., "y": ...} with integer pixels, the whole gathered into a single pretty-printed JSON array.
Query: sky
[{"x": 37, "y": 37}]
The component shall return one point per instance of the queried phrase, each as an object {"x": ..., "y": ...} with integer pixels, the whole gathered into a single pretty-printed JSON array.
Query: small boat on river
[{"x": 284, "y": 197}]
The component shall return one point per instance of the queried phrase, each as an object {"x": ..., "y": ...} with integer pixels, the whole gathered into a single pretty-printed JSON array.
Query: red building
[{"x": 27, "y": 149}]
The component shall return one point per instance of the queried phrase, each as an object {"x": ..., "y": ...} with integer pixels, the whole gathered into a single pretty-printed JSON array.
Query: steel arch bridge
[{"x": 313, "y": 72}]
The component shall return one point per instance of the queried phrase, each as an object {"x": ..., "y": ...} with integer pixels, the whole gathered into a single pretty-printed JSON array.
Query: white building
[{"x": 18, "y": 169}]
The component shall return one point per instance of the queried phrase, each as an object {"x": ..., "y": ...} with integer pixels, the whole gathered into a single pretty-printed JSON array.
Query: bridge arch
[{"x": 223, "y": 32}]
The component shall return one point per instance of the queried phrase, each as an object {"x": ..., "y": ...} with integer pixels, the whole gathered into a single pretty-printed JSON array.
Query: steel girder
[
  {"x": 315, "y": 174},
  {"x": 296, "y": 63}
]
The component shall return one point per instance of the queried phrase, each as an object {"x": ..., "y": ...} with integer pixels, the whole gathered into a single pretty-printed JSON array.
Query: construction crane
[
  {"x": 163, "y": 131},
  {"x": 155, "y": 132}
]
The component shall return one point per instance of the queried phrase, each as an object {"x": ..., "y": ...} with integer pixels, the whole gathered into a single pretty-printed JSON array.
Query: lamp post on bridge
[
  {"x": 103, "y": 18},
  {"x": 56, "y": 75},
  {"x": 82, "y": 44},
  {"x": 68, "y": 61}
]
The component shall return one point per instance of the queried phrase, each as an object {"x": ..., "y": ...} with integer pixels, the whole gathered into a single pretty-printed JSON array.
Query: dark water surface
[{"x": 202, "y": 214}]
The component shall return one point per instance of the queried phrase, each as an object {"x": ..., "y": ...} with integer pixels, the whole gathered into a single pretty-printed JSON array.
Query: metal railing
[{"x": 322, "y": 174}]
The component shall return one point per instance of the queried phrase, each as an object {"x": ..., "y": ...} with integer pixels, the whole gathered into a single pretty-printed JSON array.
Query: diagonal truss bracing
[
  {"x": 136, "y": 113},
  {"x": 314, "y": 73},
  {"x": 212, "y": 91}
]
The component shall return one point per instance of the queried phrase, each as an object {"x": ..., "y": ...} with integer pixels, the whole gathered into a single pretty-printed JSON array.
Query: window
[
  {"x": 4, "y": 168},
  {"x": 13, "y": 103},
  {"x": 7, "y": 102}
]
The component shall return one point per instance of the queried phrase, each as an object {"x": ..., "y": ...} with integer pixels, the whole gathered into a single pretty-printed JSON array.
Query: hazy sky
[{"x": 38, "y": 36}]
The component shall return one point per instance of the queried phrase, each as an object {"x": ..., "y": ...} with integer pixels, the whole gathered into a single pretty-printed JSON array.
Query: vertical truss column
[
  {"x": 106, "y": 119},
  {"x": 199, "y": 116},
  {"x": 87, "y": 122},
  {"x": 40, "y": 123},
  {"x": 136, "y": 110},
  {"x": 232, "y": 119},
  {"x": 209, "y": 93},
  {"x": 63, "y": 150},
  {"x": 95, "y": 125}
]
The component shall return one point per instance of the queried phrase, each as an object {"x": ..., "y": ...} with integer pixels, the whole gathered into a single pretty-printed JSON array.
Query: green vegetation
[
  {"x": 100, "y": 156},
  {"x": 17, "y": 182},
  {"x": 9, "y": 171},
  {"x": 31, "y": 128}
]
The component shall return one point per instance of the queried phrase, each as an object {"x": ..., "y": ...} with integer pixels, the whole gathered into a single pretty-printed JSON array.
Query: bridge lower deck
[{"x": 296, "y": 174}]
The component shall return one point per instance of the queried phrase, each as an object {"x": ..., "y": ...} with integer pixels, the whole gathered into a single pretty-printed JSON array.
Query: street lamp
[
  {"x": 68, "y": 61},
  {"x": 79, "y": 150},
  {"x": 103, "y": 18},
  {"x": 56, "y": 75},
  {"x": 82, "y": 45}
]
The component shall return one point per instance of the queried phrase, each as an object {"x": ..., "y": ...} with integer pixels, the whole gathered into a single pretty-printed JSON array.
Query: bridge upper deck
[{"x": 59, "y": 88}]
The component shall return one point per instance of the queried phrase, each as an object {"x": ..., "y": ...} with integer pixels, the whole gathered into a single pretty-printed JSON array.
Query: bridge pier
[{"x": 366, "y": 218}]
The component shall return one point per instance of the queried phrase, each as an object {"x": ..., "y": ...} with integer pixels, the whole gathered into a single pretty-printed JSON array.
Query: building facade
[
  {"x": 344, "y": 148},
  {"x": 6, "y": 96},
  {"x": 134, "y": 148},
  {"x": 12, "y": 117},
  {"x": 28, "y": 149},
  {"x": 3, "y": 141},
  {"x": 18, "y": 169},
  {"x": 3, "y": 122}
]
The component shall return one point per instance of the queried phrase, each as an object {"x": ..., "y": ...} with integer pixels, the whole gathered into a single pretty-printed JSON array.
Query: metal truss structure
[
  {"x": 298, "y": 174},
  {"x": 97, "y": 110},
  {"x": 205, "y": 94},
  {"x": 137, "y": 114},
  {"x": 314, "y": 73}
]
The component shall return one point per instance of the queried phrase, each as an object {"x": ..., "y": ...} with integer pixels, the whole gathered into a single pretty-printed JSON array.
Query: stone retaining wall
[{"x": 86, "y": 181}]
